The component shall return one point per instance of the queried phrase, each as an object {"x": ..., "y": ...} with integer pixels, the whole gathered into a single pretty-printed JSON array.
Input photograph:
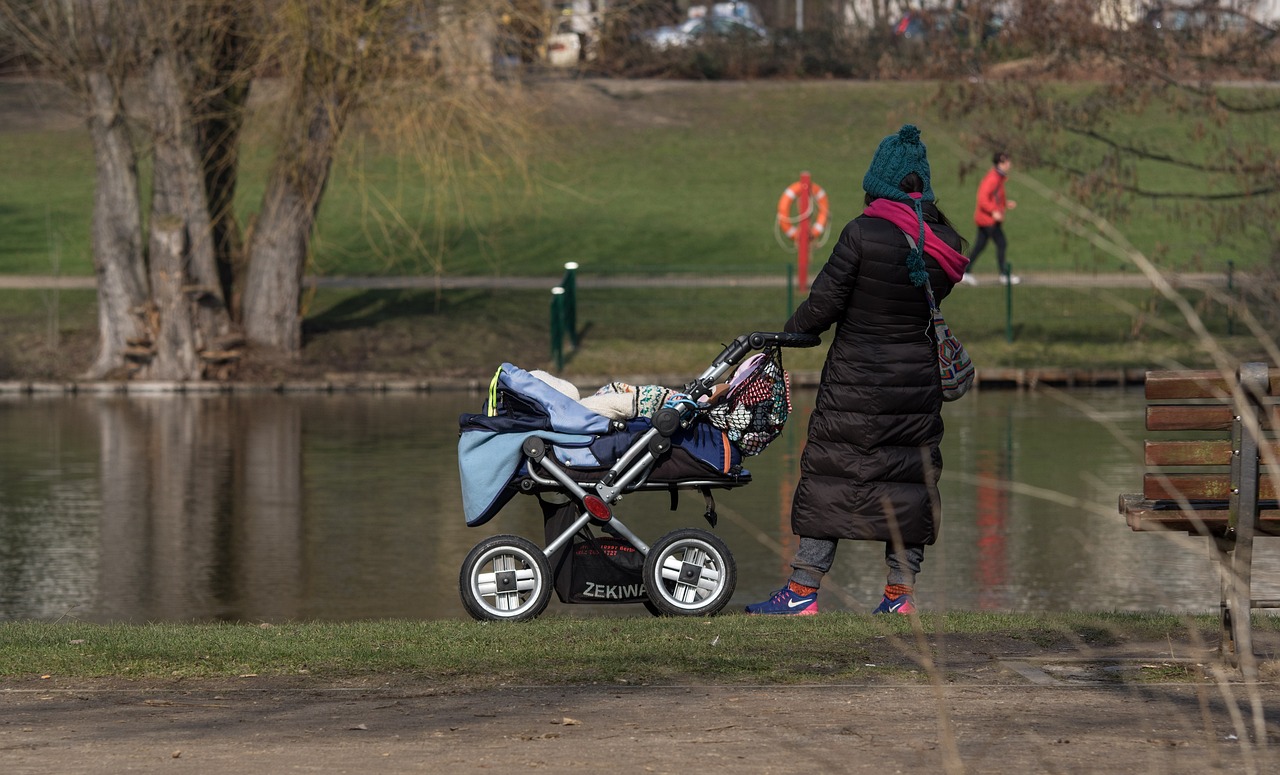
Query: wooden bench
[{"x": 1212, "y": 473}]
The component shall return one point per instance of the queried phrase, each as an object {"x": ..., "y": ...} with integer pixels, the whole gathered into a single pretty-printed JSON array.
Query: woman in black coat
[{"x": 871, "y": 465}]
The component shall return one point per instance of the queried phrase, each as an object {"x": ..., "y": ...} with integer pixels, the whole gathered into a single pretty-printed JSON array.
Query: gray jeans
[{"x": 814, "y": 558}]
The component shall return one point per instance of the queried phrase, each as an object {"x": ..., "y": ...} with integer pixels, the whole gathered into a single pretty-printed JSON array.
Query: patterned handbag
[{"x": 954, "y": 364}]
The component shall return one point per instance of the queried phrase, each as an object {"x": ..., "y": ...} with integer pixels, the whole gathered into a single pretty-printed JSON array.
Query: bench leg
[
  {"x": 1241, "y": 602},
  {"x": 1244, "y": 509},
  {"x": 1227, "y": 645}
]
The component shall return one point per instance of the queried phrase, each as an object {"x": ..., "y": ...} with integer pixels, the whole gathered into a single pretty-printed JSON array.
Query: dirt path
[{"x": 1013, "y": 713}]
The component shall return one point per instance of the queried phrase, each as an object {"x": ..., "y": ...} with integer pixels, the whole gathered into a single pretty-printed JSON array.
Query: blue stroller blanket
[{"x": 521, "y": 405}]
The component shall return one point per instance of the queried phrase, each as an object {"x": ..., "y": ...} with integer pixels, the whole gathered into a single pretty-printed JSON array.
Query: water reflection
[{"x": 340, "y": 507}]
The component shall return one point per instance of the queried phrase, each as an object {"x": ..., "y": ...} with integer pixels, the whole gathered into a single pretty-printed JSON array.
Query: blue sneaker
[
  {"x": 902, "y": 604},
  {"x": 787, "y": 603}
]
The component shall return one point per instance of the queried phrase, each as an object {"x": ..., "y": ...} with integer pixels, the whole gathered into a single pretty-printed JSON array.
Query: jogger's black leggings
[{"x": 996, "y": 235}]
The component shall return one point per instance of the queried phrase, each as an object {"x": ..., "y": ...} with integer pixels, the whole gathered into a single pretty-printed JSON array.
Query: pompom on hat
[{"x": 897, "y": 156}]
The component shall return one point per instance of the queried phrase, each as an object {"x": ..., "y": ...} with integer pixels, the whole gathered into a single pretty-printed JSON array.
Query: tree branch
[
  {"x": 1169, "y": 195},
  {"x": 1142, "y": 153}
]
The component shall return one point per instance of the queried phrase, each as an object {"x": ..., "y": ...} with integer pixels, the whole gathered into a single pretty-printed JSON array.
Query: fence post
[
  {"x": 1008, "y": 303},
  {"x": 570, "y": 285},
  {"x": 557, "y": 327}
]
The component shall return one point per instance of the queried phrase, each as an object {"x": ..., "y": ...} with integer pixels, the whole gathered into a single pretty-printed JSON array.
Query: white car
[
  {"x": 564, "y": 49},
  {"x": 694, "y": 31}
]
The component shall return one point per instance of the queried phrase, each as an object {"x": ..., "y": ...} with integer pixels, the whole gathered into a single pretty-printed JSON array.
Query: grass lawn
[
  {"x": 649, "y": 177},
  {"x": 561, "y": 650},
  {"x": 629, "y": 177}
]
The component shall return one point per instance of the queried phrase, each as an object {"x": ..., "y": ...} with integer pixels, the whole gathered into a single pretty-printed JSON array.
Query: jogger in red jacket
[{"x": 989, "y": 217}]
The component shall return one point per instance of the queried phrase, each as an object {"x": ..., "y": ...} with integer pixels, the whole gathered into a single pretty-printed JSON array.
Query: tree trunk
[
  {"x": 175, "y": 344},
  {"x": 281, "y": 239},
  {"x": 117, "y": 227},
  {"x": 184, "y": 277},
  {"x": 278, "y": 248},
  {"x": 221, "y": 93}
]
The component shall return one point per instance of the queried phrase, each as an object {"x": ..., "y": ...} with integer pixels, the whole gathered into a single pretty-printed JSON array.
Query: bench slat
[
  {"x": 1143, "y": 515},
  {"x": 1182, "y": 417},
  {"x": 1194, "y": 453},
  {"x": 1187, "y": 453},
  {"x": 1199, "y": 486},
  {"x": 1174, "y": 385}
]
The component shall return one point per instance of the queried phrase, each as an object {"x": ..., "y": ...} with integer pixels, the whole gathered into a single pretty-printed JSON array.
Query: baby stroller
[{"x": 533, "y": 439}]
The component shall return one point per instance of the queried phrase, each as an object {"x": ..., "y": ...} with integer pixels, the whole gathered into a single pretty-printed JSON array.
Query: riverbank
[{"x": 425, "y": 334}]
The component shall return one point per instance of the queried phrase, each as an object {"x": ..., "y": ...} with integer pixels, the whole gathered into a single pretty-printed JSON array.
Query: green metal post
[
  {"x": 1008, "y": 303},
  {"x": 557, "y": 327},
  {"x": 570, "y": 285}
]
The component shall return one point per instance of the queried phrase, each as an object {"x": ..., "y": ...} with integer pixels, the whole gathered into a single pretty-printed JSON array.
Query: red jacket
[{"x": 990, "y": 199}]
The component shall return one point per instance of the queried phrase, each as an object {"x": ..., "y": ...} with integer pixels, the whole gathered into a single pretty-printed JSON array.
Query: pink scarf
[{"x": 904, "y": 217}]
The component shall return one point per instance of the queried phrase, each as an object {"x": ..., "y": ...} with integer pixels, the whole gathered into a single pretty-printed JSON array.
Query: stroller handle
[
  {"x": 735, "y": 352},
  {"x": 759, "y": 340}
]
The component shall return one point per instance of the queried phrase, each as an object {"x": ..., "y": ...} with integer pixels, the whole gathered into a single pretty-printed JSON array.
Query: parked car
[
  {"x": 694, "y": 31},
  {"x": 1204, "y": 20},
  {"x": 564, "y": 48},
  {"x": 922, "y": 24},
  {"x": 575, "y": 33},
  {"x": 741, "y": 10}
]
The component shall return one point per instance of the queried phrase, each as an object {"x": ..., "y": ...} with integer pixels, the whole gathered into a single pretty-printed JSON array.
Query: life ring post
[{"x": 809, "y": 224}]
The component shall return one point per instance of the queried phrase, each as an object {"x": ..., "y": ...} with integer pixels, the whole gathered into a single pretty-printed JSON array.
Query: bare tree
[
  {"x": 330, "y": 40},
  {"x": 172, "y": 79},
  {"x": 77, "y": 41}
]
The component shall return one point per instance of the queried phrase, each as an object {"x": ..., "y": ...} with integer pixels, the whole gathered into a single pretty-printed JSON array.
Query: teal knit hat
[{"x": 898, "y": 156}]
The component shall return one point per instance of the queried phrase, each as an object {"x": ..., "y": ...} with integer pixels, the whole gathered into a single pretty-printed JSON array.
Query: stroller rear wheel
[
  {"x": 689, "y": 572},
  {"x": 505, "y": 578}
]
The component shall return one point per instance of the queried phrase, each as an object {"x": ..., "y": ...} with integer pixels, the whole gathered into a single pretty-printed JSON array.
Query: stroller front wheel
[
  {"x": 505, "y": 578},
  {"x": 689, "y": 572}
]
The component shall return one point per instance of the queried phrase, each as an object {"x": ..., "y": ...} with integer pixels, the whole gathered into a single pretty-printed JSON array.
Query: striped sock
[
  {"x": 801, "y": 589},
  {"x": 895, "y": 591}
]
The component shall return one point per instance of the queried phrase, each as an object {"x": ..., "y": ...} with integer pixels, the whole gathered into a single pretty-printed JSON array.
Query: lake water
[{"x": 347, "y": 506}]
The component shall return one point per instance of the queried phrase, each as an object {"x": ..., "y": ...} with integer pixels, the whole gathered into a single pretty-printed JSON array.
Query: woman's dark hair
[
  {"x": 914, "y": 184},
  {"x": 999, "y": 157}
]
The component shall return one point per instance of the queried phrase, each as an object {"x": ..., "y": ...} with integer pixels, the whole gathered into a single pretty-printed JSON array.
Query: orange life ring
[{"x": 817, "y": 198}]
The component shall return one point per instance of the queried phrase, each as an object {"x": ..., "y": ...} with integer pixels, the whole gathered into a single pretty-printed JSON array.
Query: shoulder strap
[{"x": 928, "y": 287}]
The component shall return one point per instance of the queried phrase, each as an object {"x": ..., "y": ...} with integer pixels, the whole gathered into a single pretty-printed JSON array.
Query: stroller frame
[{"x": 687, "y": 572}]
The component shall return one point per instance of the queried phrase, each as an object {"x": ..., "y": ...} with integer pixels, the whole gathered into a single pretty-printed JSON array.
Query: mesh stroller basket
[{"x": 757, "y": 405}]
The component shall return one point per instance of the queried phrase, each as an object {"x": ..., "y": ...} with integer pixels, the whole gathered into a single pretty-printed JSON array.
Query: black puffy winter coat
[{"x": 871, "y": 465}]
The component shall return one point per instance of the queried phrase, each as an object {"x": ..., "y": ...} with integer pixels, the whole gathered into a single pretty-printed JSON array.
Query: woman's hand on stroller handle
[{"x": 762, "y": 339}]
